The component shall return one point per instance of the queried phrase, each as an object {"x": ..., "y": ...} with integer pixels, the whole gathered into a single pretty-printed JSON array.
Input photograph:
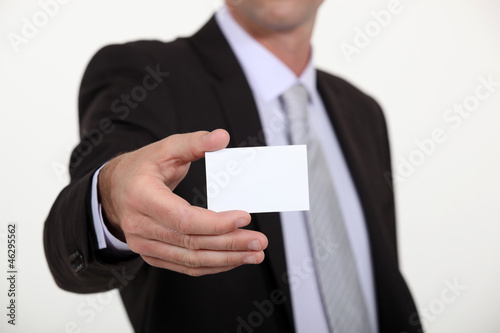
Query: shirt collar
[{"x": 267, "y": 75}]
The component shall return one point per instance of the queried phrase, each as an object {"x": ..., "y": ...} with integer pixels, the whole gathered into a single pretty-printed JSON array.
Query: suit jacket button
[{"x": 77, "y": 262}]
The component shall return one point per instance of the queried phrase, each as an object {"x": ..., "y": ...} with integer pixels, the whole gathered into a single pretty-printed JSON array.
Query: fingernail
[
  {"x": 241, "y": 223},
  {"x": 254, "y": 245},
  {"x": 250, "y": 260}
]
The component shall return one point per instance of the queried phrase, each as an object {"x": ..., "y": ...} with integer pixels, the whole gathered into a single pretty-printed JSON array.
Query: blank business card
[{"x": 258, "y": 179}]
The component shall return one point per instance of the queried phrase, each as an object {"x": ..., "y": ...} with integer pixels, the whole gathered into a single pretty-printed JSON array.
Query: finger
[
  {"x": 174, "y": 212},
  {"x": 192, "y": 146},
  {"x": 196, "y": 258},
  {"x": 237, "y": 240},
  {"x": 192, "y": 271}
]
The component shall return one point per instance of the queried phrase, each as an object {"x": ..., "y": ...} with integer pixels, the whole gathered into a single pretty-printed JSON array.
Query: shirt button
[{"x": 77, "y": 262}]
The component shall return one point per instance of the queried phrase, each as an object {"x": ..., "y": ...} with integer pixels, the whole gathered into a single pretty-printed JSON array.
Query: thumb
[{"x": 192, "y": 146}]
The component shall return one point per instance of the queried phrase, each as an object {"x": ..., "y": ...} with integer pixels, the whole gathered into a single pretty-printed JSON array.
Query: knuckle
[
  {"x": 187, "y": 222},
  {"x": 130, "y": 224},
  {"x": 189, "y": 242},
  {"x": 169, "y": 140},
  {"x": 139, "y": 247},
  {"x": 231, "y": 244},
  {"x": 227, "y": 261},
  {"x": 161, "y": 234},
  {"x": 151, "y": 261},
  {"x": 181, "y": 220},
  {"x": 218, "y": 229},
  {"x": 131, "y": 202},
  {"x": 132, "y": 197},
  {"x": 190, "y": 260},
  {"x": 194, "y": 272},
  {"x": 134, "y": 247}
]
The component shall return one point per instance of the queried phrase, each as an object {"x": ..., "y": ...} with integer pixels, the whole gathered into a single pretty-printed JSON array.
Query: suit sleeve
[{"x": 116, "y": 110}]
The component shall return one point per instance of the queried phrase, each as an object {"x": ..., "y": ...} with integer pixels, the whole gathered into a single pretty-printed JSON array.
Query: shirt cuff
[{"x": 105, "y": 239}]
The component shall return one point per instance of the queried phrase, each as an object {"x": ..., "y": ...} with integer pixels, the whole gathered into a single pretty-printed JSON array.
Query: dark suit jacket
[{"x": 127, "y": 100}]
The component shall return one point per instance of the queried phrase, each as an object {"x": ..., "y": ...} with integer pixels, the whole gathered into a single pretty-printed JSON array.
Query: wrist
[{"x": 104, "y": 191}]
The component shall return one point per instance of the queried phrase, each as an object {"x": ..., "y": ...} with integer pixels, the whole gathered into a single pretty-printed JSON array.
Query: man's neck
[{"x": 293, "y": 47}]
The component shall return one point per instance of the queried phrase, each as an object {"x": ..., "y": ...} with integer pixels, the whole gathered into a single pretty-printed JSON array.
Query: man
[{"x": 130, "y": 218}]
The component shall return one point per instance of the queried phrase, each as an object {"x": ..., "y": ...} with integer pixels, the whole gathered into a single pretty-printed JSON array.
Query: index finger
[{"x": 169, "y": 209}]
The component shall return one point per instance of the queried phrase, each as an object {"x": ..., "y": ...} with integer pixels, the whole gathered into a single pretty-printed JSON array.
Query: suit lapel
[
  {"x": 243, "y": 123},
  {"x": 344, "y": 126}
]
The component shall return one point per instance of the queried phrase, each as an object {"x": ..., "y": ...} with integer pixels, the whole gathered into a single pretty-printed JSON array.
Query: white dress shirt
[{"x": 269, "y": 78}]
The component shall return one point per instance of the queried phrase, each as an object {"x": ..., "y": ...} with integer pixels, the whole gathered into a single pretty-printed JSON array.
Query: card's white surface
[{"x": 258, "y": 179}]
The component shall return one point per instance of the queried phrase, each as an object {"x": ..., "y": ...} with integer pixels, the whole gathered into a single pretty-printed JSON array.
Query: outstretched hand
[{"x": 141, "y": 209}]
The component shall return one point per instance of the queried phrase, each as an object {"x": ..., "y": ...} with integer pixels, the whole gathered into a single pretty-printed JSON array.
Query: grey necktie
[{"x": 336, "y": 271}]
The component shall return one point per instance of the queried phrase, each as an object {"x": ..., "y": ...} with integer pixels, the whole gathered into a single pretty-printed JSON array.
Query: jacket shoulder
[
  {"x": 346, "y": 90},
  {"x": 140, "y": 51}
]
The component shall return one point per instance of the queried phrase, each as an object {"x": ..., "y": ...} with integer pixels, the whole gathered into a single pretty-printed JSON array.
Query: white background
[{"x": 427, "y": 59}]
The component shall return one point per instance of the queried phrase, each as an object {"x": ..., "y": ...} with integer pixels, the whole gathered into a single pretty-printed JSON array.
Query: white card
[{"x": 258, "y": 179}]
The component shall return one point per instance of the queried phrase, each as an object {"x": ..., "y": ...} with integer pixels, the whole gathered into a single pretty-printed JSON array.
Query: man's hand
[{"x": 141, "y": 209}]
